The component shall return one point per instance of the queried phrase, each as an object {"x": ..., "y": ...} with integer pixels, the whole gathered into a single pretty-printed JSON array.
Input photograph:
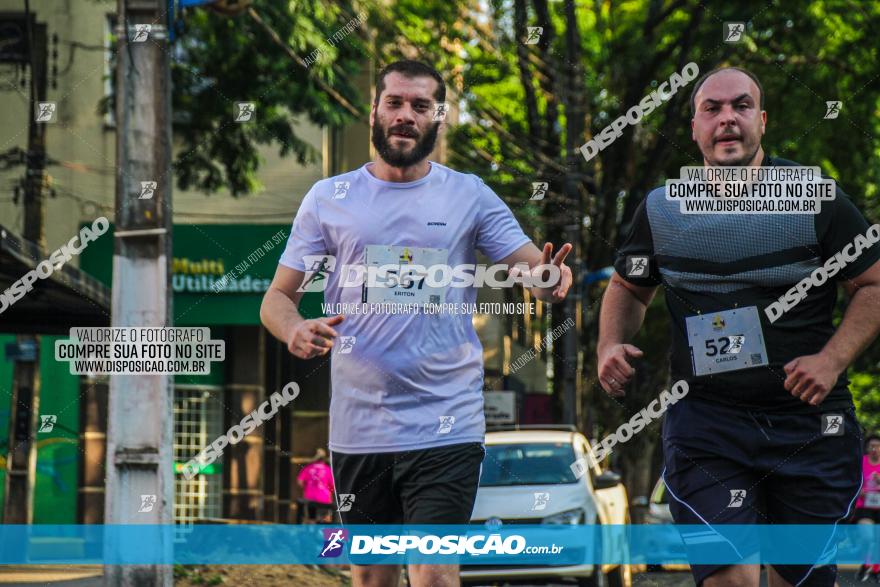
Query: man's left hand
[
  {"x": 557, "y": 292},
  {"x": 811, "y": 377}
]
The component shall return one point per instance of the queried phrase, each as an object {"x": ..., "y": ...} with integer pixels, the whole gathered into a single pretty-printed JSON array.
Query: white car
[{"x": 527, "y": 479}]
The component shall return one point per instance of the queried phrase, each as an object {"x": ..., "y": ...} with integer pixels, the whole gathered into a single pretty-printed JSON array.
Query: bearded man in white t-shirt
[{"x": 406, "y": 412}]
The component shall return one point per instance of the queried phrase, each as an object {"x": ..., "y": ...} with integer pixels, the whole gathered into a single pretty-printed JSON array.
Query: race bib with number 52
[{"x": 726, "y": 341}]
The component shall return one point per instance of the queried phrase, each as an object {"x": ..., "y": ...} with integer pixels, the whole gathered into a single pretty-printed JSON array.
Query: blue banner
[{"x": 524, "y": 545}]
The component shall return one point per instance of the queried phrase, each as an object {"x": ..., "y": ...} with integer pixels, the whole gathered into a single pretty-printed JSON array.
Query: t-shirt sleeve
[
  {"x": 635, "y": 258},
  {"x": 302, "y": 474},
  {"x": 498, "y": 232},
  {"x": 840, "y": 224},
  {"x": 306, "y": 236}
]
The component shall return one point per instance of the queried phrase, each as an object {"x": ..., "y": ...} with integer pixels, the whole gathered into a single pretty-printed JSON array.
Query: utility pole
[
  {"x": 18, "y": 502},
  {"x": 140, "y": 475}
]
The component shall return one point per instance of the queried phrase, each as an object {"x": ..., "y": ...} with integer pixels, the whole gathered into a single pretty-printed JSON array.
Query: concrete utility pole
[
  {"x": 18, "y": 502},
  {"x": 140, "y": 475}
]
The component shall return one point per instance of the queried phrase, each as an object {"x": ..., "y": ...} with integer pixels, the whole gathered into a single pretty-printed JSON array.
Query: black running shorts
[{"x": 427, "y": 486}]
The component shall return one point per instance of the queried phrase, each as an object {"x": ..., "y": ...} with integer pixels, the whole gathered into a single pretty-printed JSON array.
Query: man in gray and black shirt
[{"x": 750, "y": 444}]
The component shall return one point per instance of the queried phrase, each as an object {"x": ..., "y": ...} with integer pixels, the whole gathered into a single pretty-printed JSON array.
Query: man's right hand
[
  {"x": 615, "y": 370},
  {"x": 312, "y": 338}
]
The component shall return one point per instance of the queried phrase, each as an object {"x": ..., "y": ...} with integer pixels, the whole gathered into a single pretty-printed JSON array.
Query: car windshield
[{"x": 527, "y": 464}]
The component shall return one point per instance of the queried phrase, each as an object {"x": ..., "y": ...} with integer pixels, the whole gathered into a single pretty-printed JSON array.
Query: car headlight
[{"x": 571, "y": 517}]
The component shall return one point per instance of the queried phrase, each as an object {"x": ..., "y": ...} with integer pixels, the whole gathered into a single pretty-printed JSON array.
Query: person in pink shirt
[
  {"x": 868, "y": 505},
  {"x": 316, "y": 481}
]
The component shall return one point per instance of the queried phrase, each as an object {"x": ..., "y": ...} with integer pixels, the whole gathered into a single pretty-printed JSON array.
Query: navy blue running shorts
[{"x": 727, "y": 465}]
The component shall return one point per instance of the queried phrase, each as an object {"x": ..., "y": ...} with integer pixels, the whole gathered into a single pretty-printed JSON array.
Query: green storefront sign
[{"x": 219, "y": 272}]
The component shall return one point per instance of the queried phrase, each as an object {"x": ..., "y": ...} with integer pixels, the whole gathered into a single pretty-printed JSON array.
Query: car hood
[{"x": 518, "y": 501}]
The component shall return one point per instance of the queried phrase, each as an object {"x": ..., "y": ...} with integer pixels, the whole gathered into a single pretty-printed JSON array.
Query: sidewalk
[{"x": 56, "y": 575}]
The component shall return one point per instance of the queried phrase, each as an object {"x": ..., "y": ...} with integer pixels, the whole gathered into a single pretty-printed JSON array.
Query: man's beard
[
  {"x": 748, "y": 155},
  {"x": 397, "y": 156}
]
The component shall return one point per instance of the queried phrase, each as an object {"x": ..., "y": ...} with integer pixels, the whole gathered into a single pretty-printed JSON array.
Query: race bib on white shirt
[
  {"x": 402, "y": 275},
  {"x": 726, "y": 341}
]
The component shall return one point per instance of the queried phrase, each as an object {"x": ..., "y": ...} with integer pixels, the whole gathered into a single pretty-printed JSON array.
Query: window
[
  {"x": 527, "y": 464},
  {"x": 198, "y": 421}
]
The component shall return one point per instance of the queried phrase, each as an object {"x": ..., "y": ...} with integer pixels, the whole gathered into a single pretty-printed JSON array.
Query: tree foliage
[
  {"x": 519, "y": 100},
  {"x": 260, "y": 55},
  {"x": 527, "y": 107}
]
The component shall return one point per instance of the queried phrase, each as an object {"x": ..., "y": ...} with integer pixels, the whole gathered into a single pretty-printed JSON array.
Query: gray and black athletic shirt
[{"x": 714, "y": 262}]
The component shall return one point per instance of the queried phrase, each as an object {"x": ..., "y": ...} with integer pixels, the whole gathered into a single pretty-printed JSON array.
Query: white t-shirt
[{"x": 405, "y": 375}]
